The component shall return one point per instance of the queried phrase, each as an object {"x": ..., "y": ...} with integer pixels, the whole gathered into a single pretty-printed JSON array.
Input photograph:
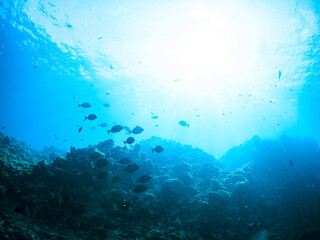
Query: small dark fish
[
  {"x": 3, "y": 127},
  {"x": 140, "y": 189},
  {"x": 132, "y": 114},
  {"x": 65, "y": 140},
  {"x": 127, "y": 129},
  {"x": 155, "y": 117},
  {"x": 176, "y": 80},
  {"x": 111, "y": 67},
  {"x": 115, "y": 129},
  {"x": 137, "y": 130},
  {"x": 74, "y": 97},
  {"x": 291, "y": 163},
  {"x": 125, "y": 161},
  {"x": 69, "y": 25},
  {"x": 84, "y": 105},
  {"x": 101, "y": 163},
  {"x": 91, "y": 117},
  {"x": 102, "y": 125},
  {"x": 184, "y": 123},
  {"x": 116, "y": 179},
  {"x": 144, "y": 179},
  {"x": 99, "y": 38},
  {"x": 157, "y": 149},
  {"x": 197, "y": 116},
  {"x": 80, "y": 129},
  {"x": 106, "y": 105},
  {"x": 102, "y": 175},
  {"x": 131, "y": 168},
  {"x": 279, "y": 74},
  {"x": 156, "y": 125},
  {"x": 107, "y": 93},
  {"x": 93, "y": 128},
  {"x": 34, "y": 67},
  {"x": 81, "y": 139},
  {"x": 129, "y": 140}
]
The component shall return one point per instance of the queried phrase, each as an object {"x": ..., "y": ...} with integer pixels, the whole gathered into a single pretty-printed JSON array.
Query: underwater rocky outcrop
[{"x": 110, "y": 192}]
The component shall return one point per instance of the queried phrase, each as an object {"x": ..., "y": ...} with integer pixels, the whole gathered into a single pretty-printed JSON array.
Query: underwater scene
[{"x": 147, "y": 120}]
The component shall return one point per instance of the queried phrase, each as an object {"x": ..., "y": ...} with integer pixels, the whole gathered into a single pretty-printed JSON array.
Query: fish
[
  {"x": 157, "y": 149},
  {"x": 116, "y": 179},
  {"x": 129, "y": 140},
  {"x": 34, "y": 66},
  {"x": 101, "y": 163},
  {"x": 137, "y": 130},
  {"x": 107, "y": 93},
  {"x": 91, "y": 117},
  {"x": 115, "y": 129},
  {"x": 111, "y": 67},
  {"x": 102, "y": 125},
  {"x": 93, "y": 128},
  {"x": 106, "y": 105},
  {"x": 140, "y": 189},
  {"x": 125, "y": 161},
  {"x": 155, "y": 117},
  {"x": 176, "y": 80},
  {"x": 144, "y": 179},
  {"x": 280, "y": 74},
  {"x": 184, "y": 123},
  {"x": 127, "y": 129},
  {"x": 3, "y": 127},
  {"x": 102, "y": 175},
  {"x": 74, "y": 97},
  {"x": 291, "y": 163},
  {"x": 68, "y": 25},
  {"x": 80, "y": 129},
  {"x": 131, "y": 168},
  {"x": 99, "y": 38},
  {"x": 156, "y": 125},
  {"x": 84, "y": 105}
]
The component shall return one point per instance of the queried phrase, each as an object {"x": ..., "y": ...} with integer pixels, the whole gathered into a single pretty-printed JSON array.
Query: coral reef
[{"x": 88, "y": 193}]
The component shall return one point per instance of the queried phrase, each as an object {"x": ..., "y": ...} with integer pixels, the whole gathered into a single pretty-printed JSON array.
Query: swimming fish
[
  {"x": 140, "y": 189},
  {"x": 129, "y": 140},
  {"x": 291, "y": 163},
  {"x": 91, "y": 117},
  {"x": 106, "y": 105},
  {"x": 80, "y": 129},
  {"x": 99, "y": 38},
  {"x": 84, "y": 105},
  {"x": 131, "y": 168},
  {"x": 111, "y": 67},
  {"x": 279, "y": 74},
  {"x": 137, "y": 130},
  {"x": 115, "y": 129},
  {"x": 155, "y": 117},
  {"x": 184, "y": 123},
  {"x": 144, "y": 179},
  {"x": 125, "y": 161},
  {"x": 102, "y": 125},
  {"x": 157, "y": 149},
  {"x": 101, "y": 163}
]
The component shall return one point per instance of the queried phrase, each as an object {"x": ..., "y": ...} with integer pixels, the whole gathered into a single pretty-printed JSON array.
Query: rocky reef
[{"x": 92, "y": 193}]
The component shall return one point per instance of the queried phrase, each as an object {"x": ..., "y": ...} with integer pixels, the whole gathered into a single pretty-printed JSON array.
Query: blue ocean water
[
  {"x": 222, "y": 98},
  {"x": 230, "y": 69}
]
